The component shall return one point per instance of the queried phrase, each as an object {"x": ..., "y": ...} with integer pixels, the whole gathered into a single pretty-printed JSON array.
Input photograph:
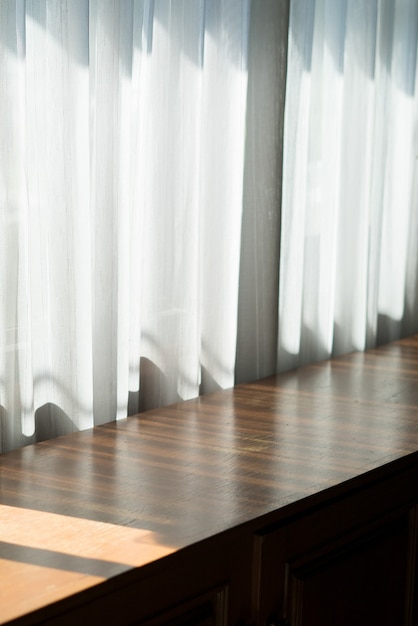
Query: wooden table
[{"x": 263, "y": 502}]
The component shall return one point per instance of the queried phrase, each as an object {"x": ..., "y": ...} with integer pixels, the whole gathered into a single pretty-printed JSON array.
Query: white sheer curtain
[
  {"x": 153, "y": 245},
  {"x": 349, "y": 240},
  {"x": 122, "y": 133}
]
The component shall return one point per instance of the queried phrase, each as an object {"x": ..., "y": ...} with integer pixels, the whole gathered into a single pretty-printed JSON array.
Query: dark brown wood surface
[{"x": 84, "y": 508}]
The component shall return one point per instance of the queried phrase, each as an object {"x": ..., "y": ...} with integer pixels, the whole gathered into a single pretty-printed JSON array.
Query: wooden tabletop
[{"x": 80, "y": 509}]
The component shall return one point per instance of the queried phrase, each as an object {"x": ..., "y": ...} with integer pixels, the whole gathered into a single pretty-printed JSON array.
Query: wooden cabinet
[
  {"x": 292, "y": 500},
  {"x": 344, "y": 557},
  {"x": 351, "y": 561}
]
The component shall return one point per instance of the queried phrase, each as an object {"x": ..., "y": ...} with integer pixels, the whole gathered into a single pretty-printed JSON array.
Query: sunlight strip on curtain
[
  {"x": 349, "y": 237},
  {"x": 122, "y": 133}
]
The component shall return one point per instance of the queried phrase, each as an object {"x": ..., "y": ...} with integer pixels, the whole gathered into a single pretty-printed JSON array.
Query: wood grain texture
[{"x": 87, "y": 507}]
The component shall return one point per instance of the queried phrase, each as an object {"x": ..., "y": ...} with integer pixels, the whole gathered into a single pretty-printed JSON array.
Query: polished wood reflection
[{"x": 87, "y": 507}]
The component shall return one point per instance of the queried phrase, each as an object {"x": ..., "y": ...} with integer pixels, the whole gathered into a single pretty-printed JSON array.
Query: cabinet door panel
[
  {"x": 208, "y": 609},
  {"x": 361, "y": 583},
  {"x": 359, "y": 576}
]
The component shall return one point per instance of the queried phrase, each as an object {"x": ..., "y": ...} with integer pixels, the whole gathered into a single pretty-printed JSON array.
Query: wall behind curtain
[{"x": 349, "y": 239}]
